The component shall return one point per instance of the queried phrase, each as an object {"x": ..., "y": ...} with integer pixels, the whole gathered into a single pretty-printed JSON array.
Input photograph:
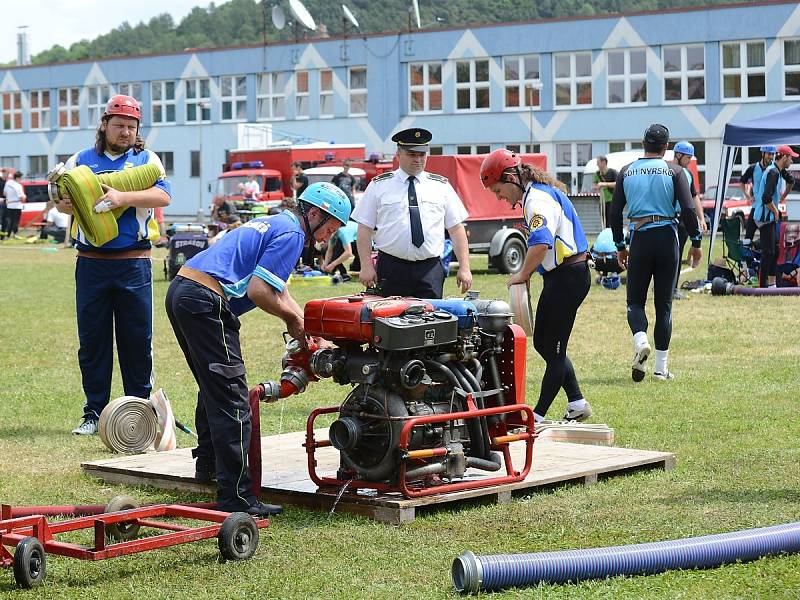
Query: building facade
[{"x": 571, "y": 88}]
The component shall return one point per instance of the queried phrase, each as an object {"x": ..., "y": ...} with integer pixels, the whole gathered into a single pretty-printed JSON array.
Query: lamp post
[
  {"x": 529, "y": 89},
  {"x": 201, "y": 106}
]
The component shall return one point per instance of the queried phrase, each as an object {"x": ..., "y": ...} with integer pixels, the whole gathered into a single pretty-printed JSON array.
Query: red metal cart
[{"x": 115, "y": 533}]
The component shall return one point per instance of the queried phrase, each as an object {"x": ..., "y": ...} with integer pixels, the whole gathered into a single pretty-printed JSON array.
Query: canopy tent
[{"x": 781, "y": 127}]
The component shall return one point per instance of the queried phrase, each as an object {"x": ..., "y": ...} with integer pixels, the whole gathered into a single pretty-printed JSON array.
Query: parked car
[{"x": 733, "y": 205}]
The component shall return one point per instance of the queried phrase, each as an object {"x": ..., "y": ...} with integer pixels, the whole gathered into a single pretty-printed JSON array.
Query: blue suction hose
[{"x": 473, "y": 573}]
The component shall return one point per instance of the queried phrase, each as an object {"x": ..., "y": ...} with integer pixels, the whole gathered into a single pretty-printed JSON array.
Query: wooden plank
[{"x": 285, "y": 477}]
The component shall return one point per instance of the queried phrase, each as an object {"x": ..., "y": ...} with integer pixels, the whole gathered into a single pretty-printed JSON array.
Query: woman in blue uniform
[{"x": 557, "y": 249}]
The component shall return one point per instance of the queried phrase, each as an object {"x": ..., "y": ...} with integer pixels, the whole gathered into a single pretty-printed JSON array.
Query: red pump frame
[
  {"x": 14, "y": 530},
  {"x": 412, "y": 491}
]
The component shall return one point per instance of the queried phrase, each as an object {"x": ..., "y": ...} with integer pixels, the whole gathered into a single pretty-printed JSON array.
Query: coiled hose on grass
[
  {"x": 84, "y": 189},
  {"x": 722, "y": 287},
  {"x": 473, "y": 573}
]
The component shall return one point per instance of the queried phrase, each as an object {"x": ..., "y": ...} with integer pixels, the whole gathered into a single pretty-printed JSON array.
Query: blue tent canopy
[{"x": 780, "y": 127}]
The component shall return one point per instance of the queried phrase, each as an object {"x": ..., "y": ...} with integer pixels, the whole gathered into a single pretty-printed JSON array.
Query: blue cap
[
  {"x": 329, "y": 198},
  {"x": 770, "y": 149},
  {"x": 684, "y": 147},
  {"x": 611, "y": 282}
]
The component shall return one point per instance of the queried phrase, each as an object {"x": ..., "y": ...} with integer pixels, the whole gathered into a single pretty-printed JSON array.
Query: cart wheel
[
  {"x": 238, "y": 537},
  {"x": 124, "y": 530},
  {"x": 29, "y": 563}
]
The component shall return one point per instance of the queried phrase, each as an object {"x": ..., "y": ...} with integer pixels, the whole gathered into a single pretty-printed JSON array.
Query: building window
[
  {"x": 326, "y": 93},
  {"x": 743, "y": 158},
  {"x": 570, "y": 161},
  {"x": 37, "y": 167},
  {"x": 791, "y": 67},
  {"x": 168, "y": 161},
  {"x": 624, "y": 146},
  {"x": 472, "y": 84},
  {"x": 743, "y": 71},
  {"x": 301, "y": 95},
  {"x": 40, "y": 109},
  {"x": 424, "y": 87},
  {"x": 68, "y": 108},
  {"x": 271, "y": 96},
  {"x": 684, "y": 73},
  {"x": 233, "y": 94},
  {"x": 11, "y": 162},
  {"x": 700, "y": 155},
  {"x": 198, "y": 100},
  {"x": 358, "y": 91},
  {"x": 12, "y": 111},
  {"x": 524, "y": 148},
  {"x": 194, "y": 163},
  {"x": 162, "y": 94},
  {"x": 522, "y": 82},
  {"x": 474, "y": 149},
  {"x": 97, "y": 96},
  {"x": 130, "y": 89},
  {"x": 572, "y": 76},
  {"x": 627, "y": 76},
  {"x": 436, "y": 150}
]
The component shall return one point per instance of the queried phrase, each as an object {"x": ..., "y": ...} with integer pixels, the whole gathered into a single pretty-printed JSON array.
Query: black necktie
[{"x": 413, "y": 210}]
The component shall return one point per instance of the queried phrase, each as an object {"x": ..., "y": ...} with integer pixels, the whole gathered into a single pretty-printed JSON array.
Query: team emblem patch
[{"x": 537, "y": 222}]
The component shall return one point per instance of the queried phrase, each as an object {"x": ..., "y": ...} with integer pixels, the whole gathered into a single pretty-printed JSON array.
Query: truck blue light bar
[{"x": 253, "y": 164}]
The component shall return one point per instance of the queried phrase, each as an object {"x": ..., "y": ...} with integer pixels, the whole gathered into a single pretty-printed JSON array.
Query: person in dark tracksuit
[
  {"x": 557, "y": 248},
  {"x": 114, "y": 282},
  {"x": 767, "y": 216},
  {"x": 248, "y": 268},
  {"x": 650, "y": 187}
]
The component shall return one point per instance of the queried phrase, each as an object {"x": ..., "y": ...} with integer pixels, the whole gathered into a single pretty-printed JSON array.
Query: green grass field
[{"x": 730, "y": 416}]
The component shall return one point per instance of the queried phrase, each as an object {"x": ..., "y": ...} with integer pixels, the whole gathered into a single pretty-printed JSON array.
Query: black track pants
[
  {"x": 769, "y": 252},
  {"x": 208, "y": 334},
  {"x": 653, "y": 256},
  {"x": 564, "y": 290}
]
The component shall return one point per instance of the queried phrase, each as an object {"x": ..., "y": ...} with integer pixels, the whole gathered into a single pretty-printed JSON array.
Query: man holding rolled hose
[
  {"x": 113, "y": 282},
  {"x": 650, "y": 187}
]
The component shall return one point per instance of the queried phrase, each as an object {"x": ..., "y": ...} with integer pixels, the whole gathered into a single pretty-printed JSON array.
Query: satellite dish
[
  {"x": 301, "y": 14},
  {"x": 415, "y": 4},
  {"x": 350, "y": 16},
  {"x": 278, "y": 18}
]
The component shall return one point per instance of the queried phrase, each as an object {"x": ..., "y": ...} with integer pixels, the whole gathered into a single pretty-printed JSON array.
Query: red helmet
[
  {"x": 494, "y": 165},
  {"x": 123, "y": 106}
]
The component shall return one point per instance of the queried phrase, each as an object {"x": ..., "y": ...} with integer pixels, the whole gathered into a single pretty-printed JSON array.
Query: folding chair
[{"x": 741, "y": 259}]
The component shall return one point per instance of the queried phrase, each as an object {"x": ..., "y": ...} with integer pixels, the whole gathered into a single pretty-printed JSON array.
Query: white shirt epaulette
[
  {"x": 383, "y": 176},
  {"x": 436, "y": 177}
]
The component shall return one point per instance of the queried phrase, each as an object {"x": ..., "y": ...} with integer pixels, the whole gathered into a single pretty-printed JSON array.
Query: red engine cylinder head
[{"x": 352, "y": 318}]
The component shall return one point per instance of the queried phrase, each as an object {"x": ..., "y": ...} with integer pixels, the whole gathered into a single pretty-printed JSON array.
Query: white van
[{"x": 318, "y": 174}]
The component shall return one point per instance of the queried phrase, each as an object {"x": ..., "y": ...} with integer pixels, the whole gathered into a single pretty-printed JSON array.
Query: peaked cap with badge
[{"x": 414, "y": 139}]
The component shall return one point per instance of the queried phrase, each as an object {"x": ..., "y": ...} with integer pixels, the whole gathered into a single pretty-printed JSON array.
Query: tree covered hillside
[{"x": 238, "y": 22}]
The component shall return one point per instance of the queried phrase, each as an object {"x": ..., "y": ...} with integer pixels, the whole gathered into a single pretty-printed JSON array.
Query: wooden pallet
[{"x": 285, "y": 477}]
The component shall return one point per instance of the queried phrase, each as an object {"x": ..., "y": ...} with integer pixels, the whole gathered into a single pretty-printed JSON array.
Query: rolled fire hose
[
  {"x": 721, "y": 287},
  {"x": 84, "y": 189},
  {"x": 521, "y": 307},
  {"x": 131, "y": 425},
  {"x": 473, "y": 573},
  {"x": 128, "y": 425}
]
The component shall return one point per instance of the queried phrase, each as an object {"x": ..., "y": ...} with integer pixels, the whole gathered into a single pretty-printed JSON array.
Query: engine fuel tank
[{"x": 352, "y": 318}]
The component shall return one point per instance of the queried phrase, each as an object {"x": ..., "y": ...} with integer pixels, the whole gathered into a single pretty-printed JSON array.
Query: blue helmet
[
  {"x": 328, "y": 198},
  {"x": 684, "y": 147},
  {"x": 770, "y": 149},
  {"x": 611, "y": 282}
]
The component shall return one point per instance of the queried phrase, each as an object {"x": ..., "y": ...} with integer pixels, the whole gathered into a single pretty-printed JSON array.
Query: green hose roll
[{"x": 84, "y": 189}]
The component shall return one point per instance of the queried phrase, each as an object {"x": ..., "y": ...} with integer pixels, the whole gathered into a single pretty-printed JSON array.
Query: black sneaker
[
  {"x": 202, "y": 476},
  {"x": 261, "y": 509}
]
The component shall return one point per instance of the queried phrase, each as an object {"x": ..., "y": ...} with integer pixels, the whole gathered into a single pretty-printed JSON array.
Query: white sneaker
[
  {"x": 579, "y": 414},
  {"x": 639, "y": 358},
  {"x": 88, "y": 427},
  {"x": 666, "y": 376}
]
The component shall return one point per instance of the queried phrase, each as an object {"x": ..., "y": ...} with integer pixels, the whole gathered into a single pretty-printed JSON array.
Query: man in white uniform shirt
[
  {"x": 15, "y": 197},
  {"x": 407, "y": 211}
]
